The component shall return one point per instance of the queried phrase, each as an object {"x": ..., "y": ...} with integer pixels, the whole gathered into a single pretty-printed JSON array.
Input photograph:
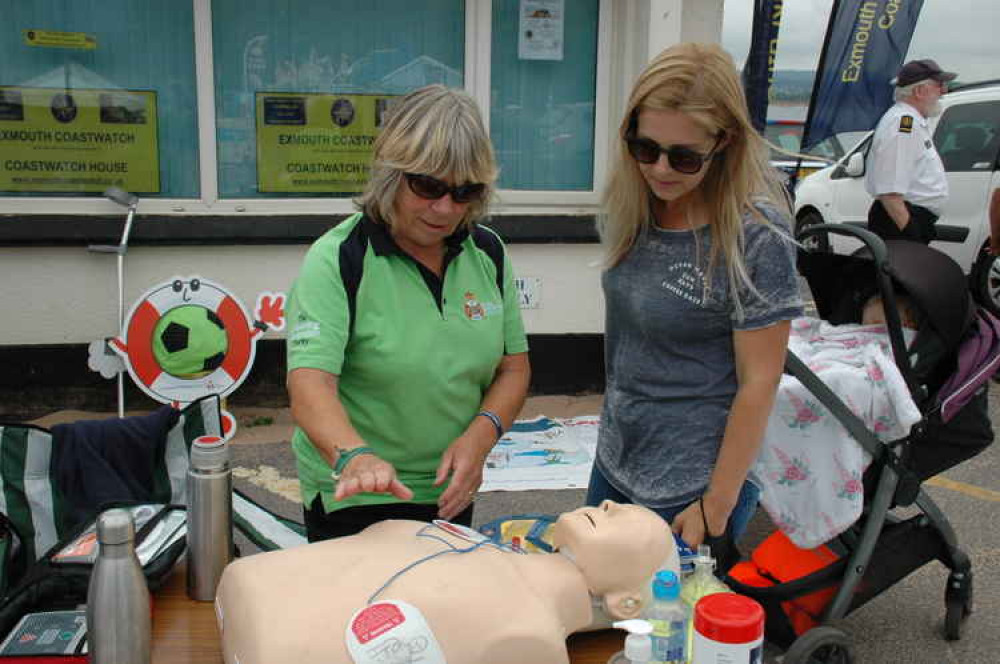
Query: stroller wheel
[
  {"x": 958, "y": 604},
  {"x": 820, "y": 645}
]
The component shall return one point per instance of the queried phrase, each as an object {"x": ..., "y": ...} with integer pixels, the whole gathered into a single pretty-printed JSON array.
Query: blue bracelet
[
  {"x": 346, "y": 455},
  {"x": 495, "y": 419}
]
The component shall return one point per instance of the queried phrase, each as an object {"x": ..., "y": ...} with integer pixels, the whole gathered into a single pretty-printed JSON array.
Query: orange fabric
[
  {"x": 778, "y": 560},
  {"x": 746, "y": 572}
]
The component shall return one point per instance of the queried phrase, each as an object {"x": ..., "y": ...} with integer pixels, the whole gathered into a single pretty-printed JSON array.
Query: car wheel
[
  {"x": 986, "y": 282},
  {"x": 819, "y": 242}
]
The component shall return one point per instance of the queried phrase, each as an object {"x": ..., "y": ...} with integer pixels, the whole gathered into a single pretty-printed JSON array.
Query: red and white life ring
[{"x": 136, "y": 343}]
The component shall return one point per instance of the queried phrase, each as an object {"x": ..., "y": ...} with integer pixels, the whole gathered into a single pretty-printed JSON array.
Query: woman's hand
[
  {"x": 690, "y": 525},
  {"x": 367, "y": 473},
  {"x": 463, "y": 461}
]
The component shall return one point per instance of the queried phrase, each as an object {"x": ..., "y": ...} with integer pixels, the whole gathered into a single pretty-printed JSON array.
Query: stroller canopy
[{"x": 935, "y": 283}]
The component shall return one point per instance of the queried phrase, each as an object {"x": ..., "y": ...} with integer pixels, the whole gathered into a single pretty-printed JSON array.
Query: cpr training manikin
[{"x": 404, "y": 591}]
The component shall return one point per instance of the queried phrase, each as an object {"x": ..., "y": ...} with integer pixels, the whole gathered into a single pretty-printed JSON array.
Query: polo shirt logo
[
  {"x": 473, "y": 309},
  {"x": 303, "y": 331}
]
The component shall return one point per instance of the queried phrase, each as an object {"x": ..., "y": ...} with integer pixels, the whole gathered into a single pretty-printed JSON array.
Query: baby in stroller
[
  {"x": 873, "y": 313},
  {"x": 907, "y": 404}
]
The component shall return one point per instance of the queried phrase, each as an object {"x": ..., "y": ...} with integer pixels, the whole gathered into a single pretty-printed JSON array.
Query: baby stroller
[{"x": 947, "y": 369}]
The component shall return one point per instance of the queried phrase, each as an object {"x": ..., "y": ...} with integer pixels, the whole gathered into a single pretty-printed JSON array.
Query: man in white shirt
[{"x": 904, "y": 173}]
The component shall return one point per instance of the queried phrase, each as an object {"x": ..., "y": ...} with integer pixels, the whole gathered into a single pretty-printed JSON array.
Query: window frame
[{"x": 477, "y": 70}]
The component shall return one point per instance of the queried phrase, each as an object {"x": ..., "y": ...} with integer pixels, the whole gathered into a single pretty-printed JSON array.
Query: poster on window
[
  {"x": 540, "y": 30},
  {"x": 78, "y": 140},
  {"x": 316, "y": 143}
]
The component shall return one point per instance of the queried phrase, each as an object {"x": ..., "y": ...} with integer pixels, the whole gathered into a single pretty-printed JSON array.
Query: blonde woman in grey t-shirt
[{"x": 700, "y": 287}]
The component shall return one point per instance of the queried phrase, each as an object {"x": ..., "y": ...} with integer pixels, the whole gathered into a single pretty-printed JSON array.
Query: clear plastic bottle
[
  {"x": 669, "y": 618},
  {"x": 118, "y": 609},
  {"x": 702, "y": 581},
  {"x": 638, "y": 646}
]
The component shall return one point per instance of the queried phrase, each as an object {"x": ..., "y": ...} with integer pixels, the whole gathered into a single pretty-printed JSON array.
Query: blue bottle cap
[{"x": 666, "y": 585}]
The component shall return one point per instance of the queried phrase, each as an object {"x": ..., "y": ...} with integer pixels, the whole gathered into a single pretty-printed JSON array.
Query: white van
[{"x": 967, "y": 136}]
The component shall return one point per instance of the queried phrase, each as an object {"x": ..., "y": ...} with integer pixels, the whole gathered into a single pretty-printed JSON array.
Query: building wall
[
  {"x": 56, "y": 294},
  {"x": 59, "y": 295}
]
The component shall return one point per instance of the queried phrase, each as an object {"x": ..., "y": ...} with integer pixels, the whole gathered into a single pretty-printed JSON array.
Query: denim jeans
[{"x": 599, "y": 489}]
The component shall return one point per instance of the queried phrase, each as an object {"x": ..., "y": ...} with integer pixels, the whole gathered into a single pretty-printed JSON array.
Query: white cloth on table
[{"x": 809, "y": 469}]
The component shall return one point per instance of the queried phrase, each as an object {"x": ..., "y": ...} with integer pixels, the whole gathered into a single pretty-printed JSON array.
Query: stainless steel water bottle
[
  {"x": 210, "y": 516},
  {"x": 118, "y": 609}
]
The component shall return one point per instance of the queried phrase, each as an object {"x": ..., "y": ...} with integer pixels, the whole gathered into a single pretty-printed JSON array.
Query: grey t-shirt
[{"x": 671, "y": 376}]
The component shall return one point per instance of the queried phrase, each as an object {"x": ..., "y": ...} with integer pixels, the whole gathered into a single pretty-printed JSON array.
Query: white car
[{"x": 967, "y": 136}]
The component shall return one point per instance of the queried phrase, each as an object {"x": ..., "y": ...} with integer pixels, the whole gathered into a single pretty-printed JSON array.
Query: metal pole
[
  {"x": 810, "y": 111},
  {"x": 130, "y": 202},
  {"x": 121, "y": 322},
  {"x": 122, "y": 248}
]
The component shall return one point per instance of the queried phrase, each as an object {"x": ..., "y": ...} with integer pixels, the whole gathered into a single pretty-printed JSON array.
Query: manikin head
[{"x": 618, "y": 548}]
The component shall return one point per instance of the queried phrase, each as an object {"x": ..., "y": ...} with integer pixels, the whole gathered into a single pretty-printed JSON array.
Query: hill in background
[{"x": 792, "y": 86}]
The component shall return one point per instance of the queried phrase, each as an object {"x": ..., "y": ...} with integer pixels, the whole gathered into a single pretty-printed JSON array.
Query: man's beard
[{"x": 934, "y": 110}]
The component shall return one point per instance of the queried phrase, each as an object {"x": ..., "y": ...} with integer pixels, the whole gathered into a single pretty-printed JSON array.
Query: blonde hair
[
  {"x": 435, "y": 131},
  {"x": 699, "y": 80}
]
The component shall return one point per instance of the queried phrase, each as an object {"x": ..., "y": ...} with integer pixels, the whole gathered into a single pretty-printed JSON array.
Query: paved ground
[{"x": 902, "y": 625}]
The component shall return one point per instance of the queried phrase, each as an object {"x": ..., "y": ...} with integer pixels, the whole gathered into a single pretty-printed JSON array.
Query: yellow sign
[
  {"x": 316, "y": 142},
  {"x": 80, "y": 40},
  {"x": 53, "y": 139}
]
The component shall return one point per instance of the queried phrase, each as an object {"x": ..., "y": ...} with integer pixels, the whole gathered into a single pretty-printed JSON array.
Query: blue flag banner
[
  {"x": 866, "y": 42},
  {"x": 758, "y": 71}
]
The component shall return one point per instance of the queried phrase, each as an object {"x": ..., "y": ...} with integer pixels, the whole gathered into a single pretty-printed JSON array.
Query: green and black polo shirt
[{"x": 414, "y": 353}]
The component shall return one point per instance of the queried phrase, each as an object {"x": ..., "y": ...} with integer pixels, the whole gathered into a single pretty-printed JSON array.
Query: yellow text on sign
[
  {"x": 53, "y": 139},
  {"x": 316, "y": 142}
]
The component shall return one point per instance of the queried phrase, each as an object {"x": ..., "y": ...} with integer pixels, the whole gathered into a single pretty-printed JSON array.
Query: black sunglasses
[
  {"x": 431, "y": 189},
  {"x": 681, "y": 159}
]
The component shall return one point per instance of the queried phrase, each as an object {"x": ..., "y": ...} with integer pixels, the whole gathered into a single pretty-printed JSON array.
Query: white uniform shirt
[{"x": 903, "y": 160}]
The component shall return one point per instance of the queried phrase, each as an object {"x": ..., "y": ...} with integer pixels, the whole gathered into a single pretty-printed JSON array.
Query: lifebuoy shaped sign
[{"x": 189, "y": 337}]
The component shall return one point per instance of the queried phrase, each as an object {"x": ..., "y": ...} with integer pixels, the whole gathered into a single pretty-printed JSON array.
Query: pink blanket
[{"x": 809, "y": 468}]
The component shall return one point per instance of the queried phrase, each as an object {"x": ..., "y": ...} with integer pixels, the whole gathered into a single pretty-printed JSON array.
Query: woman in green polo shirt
[{"x": 407, "y": 357}]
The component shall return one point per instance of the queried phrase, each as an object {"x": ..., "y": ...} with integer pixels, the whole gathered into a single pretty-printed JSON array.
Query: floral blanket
[{"x": 809, "y": 469}]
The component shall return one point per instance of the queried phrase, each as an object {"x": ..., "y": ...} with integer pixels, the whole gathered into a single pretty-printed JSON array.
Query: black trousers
[
  {"x": 321, "y": 525},
  {"x": 920, "y": 229}
]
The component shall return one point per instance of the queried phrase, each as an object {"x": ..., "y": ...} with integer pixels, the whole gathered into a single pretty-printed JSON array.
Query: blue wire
[{"x": 451, "y": 549}]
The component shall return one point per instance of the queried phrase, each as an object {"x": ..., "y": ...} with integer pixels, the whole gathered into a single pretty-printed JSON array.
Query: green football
[{"x": 189, "y": 341}]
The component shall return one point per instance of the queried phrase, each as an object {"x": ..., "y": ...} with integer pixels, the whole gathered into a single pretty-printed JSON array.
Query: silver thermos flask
[
  {"x": 209, "y": 517},
  {"x": 118, "y": 609}
]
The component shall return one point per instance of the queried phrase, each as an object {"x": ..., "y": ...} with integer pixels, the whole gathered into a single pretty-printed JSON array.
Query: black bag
[{"x": 60, "y": 578}]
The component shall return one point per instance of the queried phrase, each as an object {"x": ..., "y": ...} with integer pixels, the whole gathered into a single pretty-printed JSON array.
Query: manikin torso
[{"x": 486, "y": 605}]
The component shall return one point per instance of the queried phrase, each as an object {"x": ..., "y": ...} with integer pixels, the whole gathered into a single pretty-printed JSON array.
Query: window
[
  {"x": 98, "y": 94},
  {"x": 542, "y": 104},
  {"x": 318, "y": 72},
  {"x": 968, "y": 137},
  {"x": 271, "y": 106}
]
